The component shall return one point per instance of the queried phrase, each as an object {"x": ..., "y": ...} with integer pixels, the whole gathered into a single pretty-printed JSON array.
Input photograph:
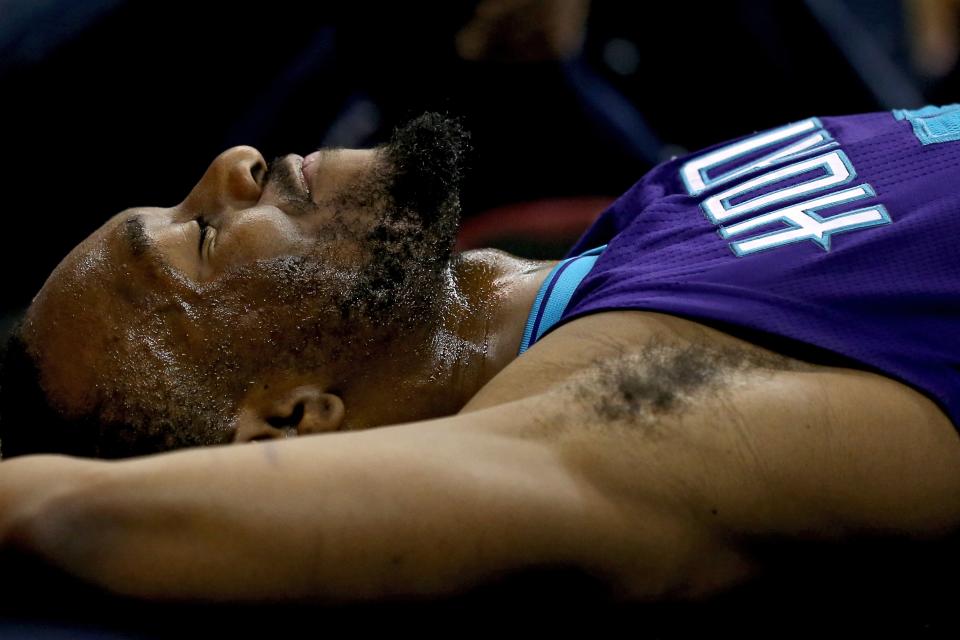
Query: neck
[{"x": 489, "y": 296}]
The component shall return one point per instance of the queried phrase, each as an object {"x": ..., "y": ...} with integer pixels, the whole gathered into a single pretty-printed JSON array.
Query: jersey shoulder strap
[{"x": 555, "y": 294}]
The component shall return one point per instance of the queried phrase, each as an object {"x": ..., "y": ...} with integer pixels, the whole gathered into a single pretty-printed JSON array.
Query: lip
[
  {"x": 293, "y": 165},
  {"x": 209, "y": 240},
  {"x": 304, "y": 183},
  {"x": 308, "y": 169}
]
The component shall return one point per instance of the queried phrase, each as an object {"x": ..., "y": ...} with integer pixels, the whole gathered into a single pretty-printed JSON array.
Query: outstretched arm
[
  {"x": 416, "y": 510},
  {"x": 590, "y": 475}
]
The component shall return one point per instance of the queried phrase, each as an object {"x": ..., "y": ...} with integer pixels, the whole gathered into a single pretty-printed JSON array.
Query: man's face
[{"x": 165, "y": 318}]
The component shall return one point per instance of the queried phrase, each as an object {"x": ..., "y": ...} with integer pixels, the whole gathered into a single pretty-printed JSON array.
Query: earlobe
[{"x": 298, "y": 411}]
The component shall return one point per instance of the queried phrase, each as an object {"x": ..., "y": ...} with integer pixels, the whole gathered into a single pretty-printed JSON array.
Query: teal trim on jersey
[
  {"x": 924, "y": 112},
  {"x": 787, "y": 142},
  {"x": 851, "y": 176},
  {"x": 933, "y": 125},
  {"x": 750, "y": 206},
  {"x": 881, "y": 217},
  {"x": 555, "y": 293},
  {"x": 773, "y": 160}
]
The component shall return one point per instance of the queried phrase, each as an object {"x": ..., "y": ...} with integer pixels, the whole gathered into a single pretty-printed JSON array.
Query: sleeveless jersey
[{"x": 834, "y": 235}]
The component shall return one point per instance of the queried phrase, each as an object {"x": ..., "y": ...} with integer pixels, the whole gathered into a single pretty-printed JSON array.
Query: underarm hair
[{"x": 635, "y": 386}]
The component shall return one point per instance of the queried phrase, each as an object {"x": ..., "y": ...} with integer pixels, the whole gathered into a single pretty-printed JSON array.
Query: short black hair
[{"x": 29, "y": 423}]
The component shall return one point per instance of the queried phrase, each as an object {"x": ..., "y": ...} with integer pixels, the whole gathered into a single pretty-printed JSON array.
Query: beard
[
  {"x": 412, "y": 202},
  {"x": 411, "y": 244},
  {"x": 300, "y": 314},
  {"x": 323, "y": 311}
]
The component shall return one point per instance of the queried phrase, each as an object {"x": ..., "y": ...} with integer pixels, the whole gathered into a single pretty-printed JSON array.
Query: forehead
[
  {"x": 112, "y": 309},
  {"x": 85, "y": 300},
  {"x": 120, "y": 238}
]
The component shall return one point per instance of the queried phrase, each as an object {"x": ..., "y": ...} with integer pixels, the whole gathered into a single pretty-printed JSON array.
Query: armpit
[
  {"x": 636, "y": 387},
  {"x": 762, "y": 445},
  {"x": 743, "y": 448}
]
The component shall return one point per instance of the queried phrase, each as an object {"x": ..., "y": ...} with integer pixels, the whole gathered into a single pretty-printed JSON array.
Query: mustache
[
  {"x": 423, "y": 166},
  {"x": 281, "y": 177}
]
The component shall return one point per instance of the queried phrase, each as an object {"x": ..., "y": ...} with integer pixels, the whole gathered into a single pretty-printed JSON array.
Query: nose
[
  {"x": 301, "y": 411},
  {"x": 233, "y": 181}
]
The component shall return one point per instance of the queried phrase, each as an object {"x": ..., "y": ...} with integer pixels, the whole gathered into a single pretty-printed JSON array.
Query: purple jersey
[{"x": 836, "y": 234}]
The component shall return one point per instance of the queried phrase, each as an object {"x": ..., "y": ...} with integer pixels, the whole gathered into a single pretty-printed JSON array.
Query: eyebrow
[
  {"x": 139, "y": 243},
  {"x": 135, "y": 235}
]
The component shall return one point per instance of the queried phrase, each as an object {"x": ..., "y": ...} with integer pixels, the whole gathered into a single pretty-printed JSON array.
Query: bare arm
[
  {"x": 418, "y": 510},
  {"x": 655, "y": 503}
]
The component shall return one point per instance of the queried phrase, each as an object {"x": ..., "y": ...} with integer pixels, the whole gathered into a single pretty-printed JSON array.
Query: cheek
[
  {"x": 257, "y": 235},
  {"x": 179, "y": 243}
]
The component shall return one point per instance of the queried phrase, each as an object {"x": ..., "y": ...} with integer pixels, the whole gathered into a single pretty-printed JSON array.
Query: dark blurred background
[{"x": 108, "y": 104}]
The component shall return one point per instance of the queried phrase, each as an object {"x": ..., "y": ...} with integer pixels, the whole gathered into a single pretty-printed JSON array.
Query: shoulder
[{"x": 599, "y": 338}]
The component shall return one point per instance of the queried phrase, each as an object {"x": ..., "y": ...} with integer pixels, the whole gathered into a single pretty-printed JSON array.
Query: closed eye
[{"x": 203, "y": 232}]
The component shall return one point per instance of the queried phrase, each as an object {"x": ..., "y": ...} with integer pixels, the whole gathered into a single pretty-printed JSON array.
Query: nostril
[
  {"x": 292, "y": 420},
  {"x": 259, "y": 173}
]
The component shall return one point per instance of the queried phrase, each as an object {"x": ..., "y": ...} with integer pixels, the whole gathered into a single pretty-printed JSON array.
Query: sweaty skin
[
  {"x": 265, "y": 292},
  {"x": 676, "y": 504},
  {"x": 659, "y": 455}
]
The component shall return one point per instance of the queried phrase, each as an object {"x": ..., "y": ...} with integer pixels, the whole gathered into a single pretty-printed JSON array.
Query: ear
[{"x": 296, "y": 411}]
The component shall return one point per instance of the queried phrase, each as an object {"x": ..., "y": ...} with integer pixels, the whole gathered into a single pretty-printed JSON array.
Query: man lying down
[{"x": 756, "y": 343}]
